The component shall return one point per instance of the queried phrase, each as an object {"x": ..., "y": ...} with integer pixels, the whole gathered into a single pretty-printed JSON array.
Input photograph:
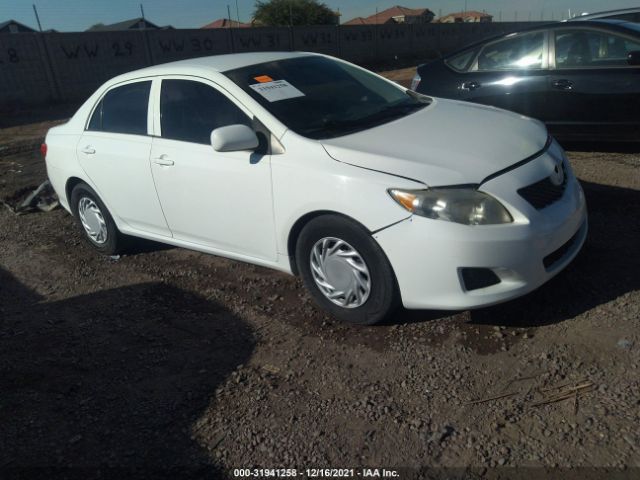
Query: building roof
[
  {"x": 468, "y": 13},
  {"x": 385, "y": 15},
  {"x": 357, "y": 21},
  {"x": 124, "y": 25},
  {"x": 10, "y": 21},
  {"x": 226, "y": 23}
]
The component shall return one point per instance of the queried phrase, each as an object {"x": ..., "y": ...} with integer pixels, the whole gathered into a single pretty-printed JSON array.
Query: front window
[
  {"x": 514, "y": 53},
  {"x": 322, "y": 98},
  {"x": 190, "y": 111},
  {"x": 579, "y": 48}
]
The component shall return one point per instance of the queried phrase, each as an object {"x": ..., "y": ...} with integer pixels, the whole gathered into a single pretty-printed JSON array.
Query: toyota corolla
[{"x": 375, "y": 195}]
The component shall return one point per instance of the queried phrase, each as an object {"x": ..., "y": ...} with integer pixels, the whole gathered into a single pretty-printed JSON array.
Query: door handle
[
  {"x": 164, "y": 161},
  {"x": 471, "y": 85},
  {"x": 88, "y": 150},
  {"x": 563, "y": 84}
]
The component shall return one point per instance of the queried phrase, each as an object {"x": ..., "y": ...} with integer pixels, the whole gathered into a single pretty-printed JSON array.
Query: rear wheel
[
  {"x": 95, "y": 220},
  {"x": 346, "y": 271}
]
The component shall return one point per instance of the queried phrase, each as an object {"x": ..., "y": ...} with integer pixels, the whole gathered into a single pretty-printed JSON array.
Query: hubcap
[
  {"x": 92, "y": 220},
  {"x": 340, "y": 272}
]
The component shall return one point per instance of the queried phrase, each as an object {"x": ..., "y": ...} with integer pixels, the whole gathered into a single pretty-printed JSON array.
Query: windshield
[{"x": 321, "y": 98}]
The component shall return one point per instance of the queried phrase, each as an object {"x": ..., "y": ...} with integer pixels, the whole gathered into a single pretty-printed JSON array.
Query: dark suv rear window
[{"x": 462, "y": 61}]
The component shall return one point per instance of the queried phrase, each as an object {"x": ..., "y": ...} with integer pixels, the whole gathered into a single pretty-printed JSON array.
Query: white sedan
[{"x": 376, "y": 196}]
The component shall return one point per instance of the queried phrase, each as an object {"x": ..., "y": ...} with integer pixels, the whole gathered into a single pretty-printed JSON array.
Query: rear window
[
  {"x": 461, "y": 61},
  {"x": 517, "y": 52},
  {"x": 123, "y": 110}
]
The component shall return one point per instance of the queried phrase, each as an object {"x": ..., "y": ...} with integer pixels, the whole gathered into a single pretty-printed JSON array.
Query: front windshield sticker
[
  {"x": 263, "y": 78},
  {"x": 277, "y": 90}
]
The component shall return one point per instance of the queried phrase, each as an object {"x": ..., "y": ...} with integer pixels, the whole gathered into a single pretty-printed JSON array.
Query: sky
[{"x": 78, "y": 15}]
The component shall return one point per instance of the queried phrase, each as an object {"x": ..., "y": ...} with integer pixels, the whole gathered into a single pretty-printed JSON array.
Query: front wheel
[{"x": 346, "y": 271}]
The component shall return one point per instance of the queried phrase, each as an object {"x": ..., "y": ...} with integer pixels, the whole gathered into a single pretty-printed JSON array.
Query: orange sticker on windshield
[{"x": 263, "y": 78}]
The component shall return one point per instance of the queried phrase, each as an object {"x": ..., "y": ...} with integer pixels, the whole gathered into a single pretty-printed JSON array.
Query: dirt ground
[{"x": 167, "y": 362}]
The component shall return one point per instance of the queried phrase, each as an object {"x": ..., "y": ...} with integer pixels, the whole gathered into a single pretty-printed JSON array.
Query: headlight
[{"x": 460, "y": 205}]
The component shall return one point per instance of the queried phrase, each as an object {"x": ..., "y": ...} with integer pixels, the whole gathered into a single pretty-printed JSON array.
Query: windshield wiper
[{"x": 346, "y": 126}]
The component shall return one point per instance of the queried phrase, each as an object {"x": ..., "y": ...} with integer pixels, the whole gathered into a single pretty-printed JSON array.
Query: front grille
[
  {"x": 543, "y": 193},
  {"x": 557, "y": 255}
]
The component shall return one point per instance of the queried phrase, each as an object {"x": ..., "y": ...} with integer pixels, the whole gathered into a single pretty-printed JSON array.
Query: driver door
[{"x": 220, "y": 200}]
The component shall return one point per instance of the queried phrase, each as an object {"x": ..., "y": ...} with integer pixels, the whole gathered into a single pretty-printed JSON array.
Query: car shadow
[
  {"x": 137, "y": 246},
  {"x": 112, "y": 381},
  {"x": 605, "y": 269}
]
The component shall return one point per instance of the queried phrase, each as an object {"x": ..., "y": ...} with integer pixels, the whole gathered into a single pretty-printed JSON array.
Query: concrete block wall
[
  {"x": 81, "y": 62},
  {"x": 24, "y": 70},
  {"x": 170, "y": 45},
  {"x": 40, "y": 68}
]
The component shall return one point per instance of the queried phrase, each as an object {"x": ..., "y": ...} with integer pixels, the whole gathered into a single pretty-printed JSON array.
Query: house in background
[
  {"x": 133, "y": 24},
  {"x": 357, "y": 21},
  {"x": 226, "y": 23},
  {"x": 395, "y": 14},
  {"x": 11, "y": 26},
  {"x": 470, "y": 16}
]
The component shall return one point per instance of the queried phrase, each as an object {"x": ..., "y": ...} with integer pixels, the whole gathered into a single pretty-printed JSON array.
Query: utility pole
[
  {"x": 142, "y": 12},
  {"x": 229, "y": 14},
  {"x": 237, "y": 13},
  {"x": 35, "y": 10}
]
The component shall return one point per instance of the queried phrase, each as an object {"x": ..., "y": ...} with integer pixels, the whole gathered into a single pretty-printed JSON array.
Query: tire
[
  {"x": 84, "y": 198},
  {"x": 329, "y": 276}
]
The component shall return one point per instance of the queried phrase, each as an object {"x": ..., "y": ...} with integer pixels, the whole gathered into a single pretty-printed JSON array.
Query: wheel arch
[
  {"x": 296, "y": 229},
  {"x": 72, "y": 182}
]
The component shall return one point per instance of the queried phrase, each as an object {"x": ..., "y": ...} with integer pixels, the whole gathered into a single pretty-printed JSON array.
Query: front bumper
[{"x": 428, "y": 256}]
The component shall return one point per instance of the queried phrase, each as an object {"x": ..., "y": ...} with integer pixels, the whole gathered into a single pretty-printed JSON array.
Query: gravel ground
[{"x": 177, "y": 361}]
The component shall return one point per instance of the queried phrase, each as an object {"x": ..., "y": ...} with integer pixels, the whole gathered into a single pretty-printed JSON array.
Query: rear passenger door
[
  {"x": 114, "y": 152},
  {"x": 510, "y": 73}
]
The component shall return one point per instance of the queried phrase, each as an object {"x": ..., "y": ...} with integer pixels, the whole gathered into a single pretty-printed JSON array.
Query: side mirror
[
  {"x": 234, "y": 138},
  {"x": 633, "y": 58}
]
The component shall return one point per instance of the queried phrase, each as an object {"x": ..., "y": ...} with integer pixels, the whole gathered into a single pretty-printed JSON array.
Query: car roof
[
  {"x": 604, "y": 14},
  {"x": 614, "y": 24},
  {"x": 215, "y": 63}
]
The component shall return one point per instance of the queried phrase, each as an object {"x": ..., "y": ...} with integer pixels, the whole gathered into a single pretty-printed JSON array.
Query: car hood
[{"x": 446, "y": 143}]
